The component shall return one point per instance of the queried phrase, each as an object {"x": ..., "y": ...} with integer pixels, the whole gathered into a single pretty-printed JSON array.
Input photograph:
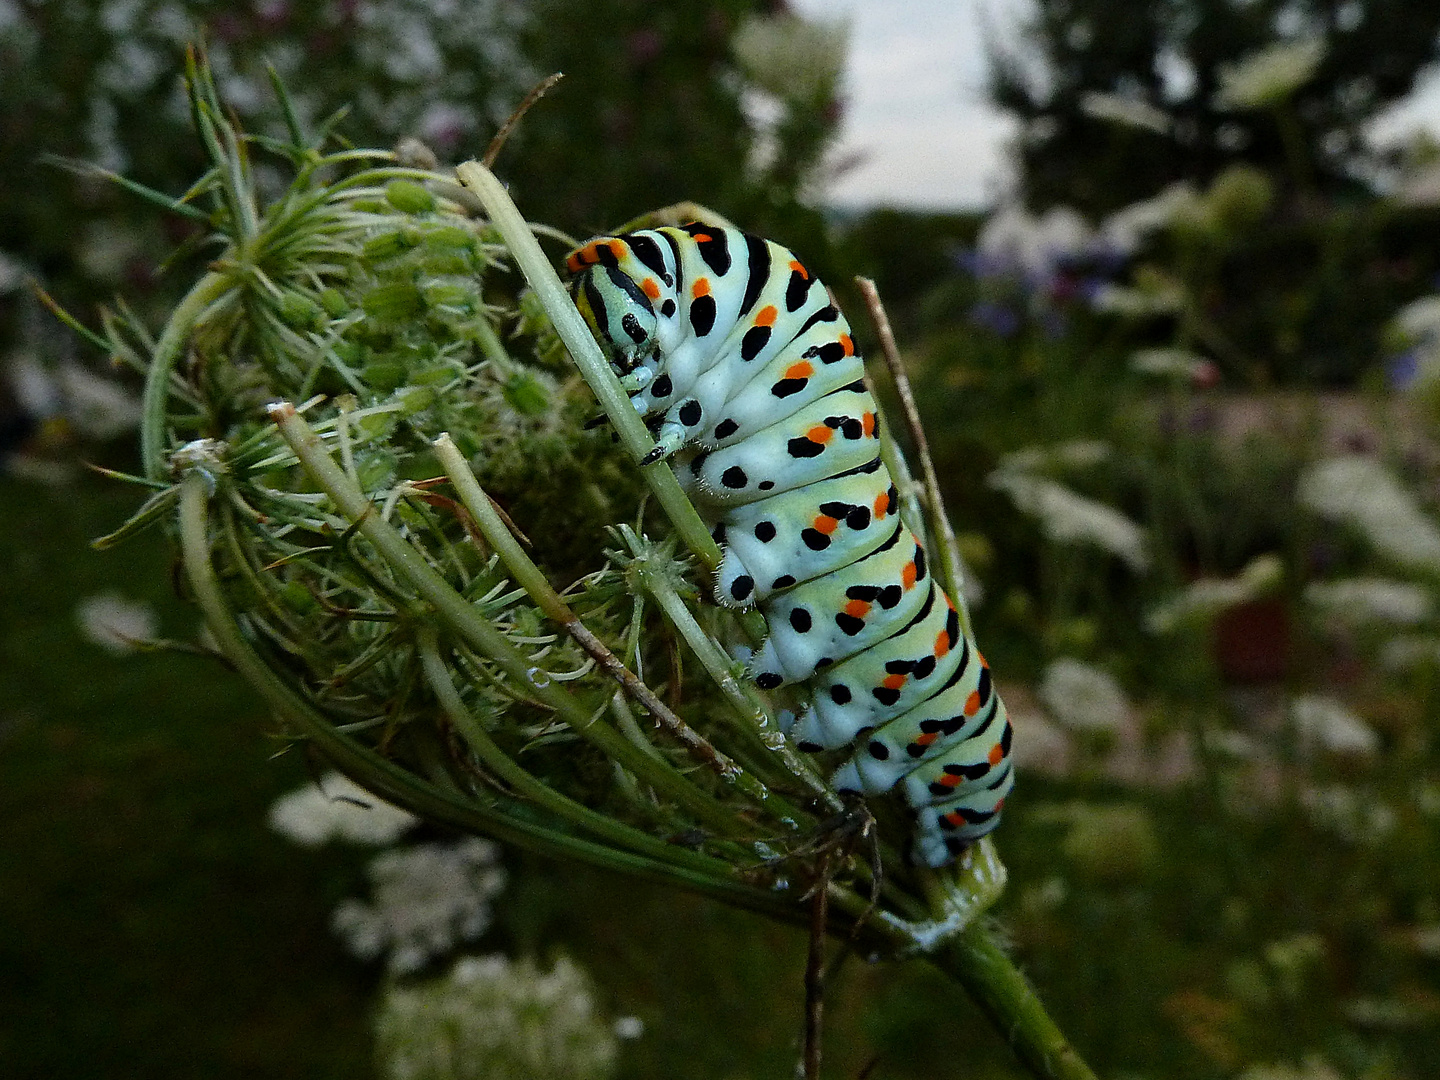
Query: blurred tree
[{"x": 1119, "y": 99}]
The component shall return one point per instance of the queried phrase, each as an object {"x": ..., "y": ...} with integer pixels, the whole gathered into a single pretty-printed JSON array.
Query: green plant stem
[
  {"x": 396, "y": 784},
  {"x": 634, "y": 436},
  {"x": 952, "y": 574},
  {"x": 162, "y": 365},
  {"x": 975, "y": 960},
  {"x": 464, "y": 620}
]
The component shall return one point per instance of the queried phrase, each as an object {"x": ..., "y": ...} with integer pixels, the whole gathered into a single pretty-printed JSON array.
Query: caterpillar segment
[{"x": 749, "y": 376}]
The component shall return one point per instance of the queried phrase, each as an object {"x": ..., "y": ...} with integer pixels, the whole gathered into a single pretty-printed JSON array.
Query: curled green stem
[{"x": 172, "y": 341}]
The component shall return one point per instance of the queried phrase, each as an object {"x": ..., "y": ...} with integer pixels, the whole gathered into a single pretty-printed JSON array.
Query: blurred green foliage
[{"x": 1197, "y": 891}]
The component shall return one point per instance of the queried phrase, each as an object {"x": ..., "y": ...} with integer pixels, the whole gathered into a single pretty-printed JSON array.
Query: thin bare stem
[
  {"x": 951, "y": 571},
  {"x": 538, "y": 91},
  {"x": 815, "y": 976}
]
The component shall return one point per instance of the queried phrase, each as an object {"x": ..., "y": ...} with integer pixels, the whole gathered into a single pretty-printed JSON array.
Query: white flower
[
  {"x": 1068, "y": 517},
  {"x": 1128, "y": 303},
  {"x": 1127, "y": 228},
  {"x": 1409, "y": 651},
  {"x": 1419, "y": 319},
  {"x": 1082, "y": 696},
  {"x": 1355, "y": 816},
  {"x": 1169, "y": 363},
  {"x": 1362, "y": 493},
  {"x": 12, "y": 273},
  {"x": 337, "y": 808},
  {"x": 97, "y": 407},
  {"x": 1076, "y": 454},
  {"x": 1207, "y": 597},
  {"x": 1013, "y": 239},
  {"x": 115, "y": 624},
  {"x": 1372, "y": 600},
  {"x": 628, "y": 1027},
  {"x": 426, "y": 900},
  {"x": 1269, "y": 76},
  {"x": 1326, "y": 724},
  {"x": 494, "y": 1019},
  {"x": 1124, "y": 110}
]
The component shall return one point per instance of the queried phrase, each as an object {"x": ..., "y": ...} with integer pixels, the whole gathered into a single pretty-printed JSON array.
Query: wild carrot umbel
[{"x": 402, "y": 531}]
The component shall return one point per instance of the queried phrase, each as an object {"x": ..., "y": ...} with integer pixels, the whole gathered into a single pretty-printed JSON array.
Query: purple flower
[
  {"x": 995, "y": 317},
  {"x": 1402, "y": 369}
]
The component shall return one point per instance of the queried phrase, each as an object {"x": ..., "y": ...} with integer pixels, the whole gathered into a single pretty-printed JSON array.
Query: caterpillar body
[{"x": 749, "y": 376}]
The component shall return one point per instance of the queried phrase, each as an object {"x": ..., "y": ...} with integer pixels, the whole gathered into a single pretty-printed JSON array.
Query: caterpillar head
[{"x": 619, "y": 314}]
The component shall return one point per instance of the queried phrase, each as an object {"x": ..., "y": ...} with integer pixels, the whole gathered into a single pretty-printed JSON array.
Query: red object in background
[{"x": 1252, "y": 641}]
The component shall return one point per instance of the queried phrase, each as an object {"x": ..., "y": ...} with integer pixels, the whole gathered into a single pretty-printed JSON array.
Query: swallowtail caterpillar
[{"x": 747, "y": 372}]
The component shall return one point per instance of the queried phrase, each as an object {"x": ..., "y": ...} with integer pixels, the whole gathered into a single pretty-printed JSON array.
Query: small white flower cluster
[
  {"x": 1208, "y": 597},
  {"x": 1269, "y": 76},
  {"x": 495, "y": 1019},
  {"x": 1348, "y": 812},
  {"x": 1082, "y": 696},
  {"x": 1323, "y": 723},
  {"x": 1406, "y": 651},
  {"x": 94, "y": 406},
  {"x": 1371, "y": 600},
  {"x": 114, "y": 623},
  {"x": 1363, "y": 494},
  {"x": 1125, "y": 110},
  {"x": 337, "y": 808},
  {"x": 1067, "y": 517},
  {"x": 427, "y": 900},
  {"x": 1015, "y": 240},
  {"x": 1075, "y": 454}
]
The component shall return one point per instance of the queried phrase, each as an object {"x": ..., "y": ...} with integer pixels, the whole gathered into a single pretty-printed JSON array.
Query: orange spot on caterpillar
[
  {"x": 857, "y": 609},
  {"x": 882, "y": 506},
  {"x": 927, "y": 738},
  {"x": 825, "y": 524},
  {"x": 617, "y": 248},
  {"x": 907, "y": 575},
  {"x": 893, "y": 682},
  {"x": 820, "y": 434},
  {"x": 955, "y": 818},
  {"x": 766, "y": 316},
  {"x": 803, "y": 370},
  {"x": 868, "y": 421},
  {"x": 702, "y": 238},
  {"x": 795, "y": 265},
  {"x": 972, "y": 703},
  {"x": 942, "y": 644},
  {"x": 997, "y": 754},
  {"x": 847, "y": 344},
  {"x": 651, "y": 288},
  {"x": 950, "y": 780},
  {"x": 700, "y": 288}
]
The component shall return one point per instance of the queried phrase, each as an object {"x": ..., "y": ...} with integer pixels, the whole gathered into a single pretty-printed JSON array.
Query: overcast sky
[{"x": 916, "y": 106}]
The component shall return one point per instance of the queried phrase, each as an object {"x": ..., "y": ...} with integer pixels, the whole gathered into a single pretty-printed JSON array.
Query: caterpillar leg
[
  {"x": 671, "y": 437},
  {"x": 635, "y": 380}
]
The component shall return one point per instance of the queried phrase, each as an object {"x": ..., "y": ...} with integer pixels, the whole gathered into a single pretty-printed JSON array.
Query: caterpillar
[{"x": 747, "y": 374}]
